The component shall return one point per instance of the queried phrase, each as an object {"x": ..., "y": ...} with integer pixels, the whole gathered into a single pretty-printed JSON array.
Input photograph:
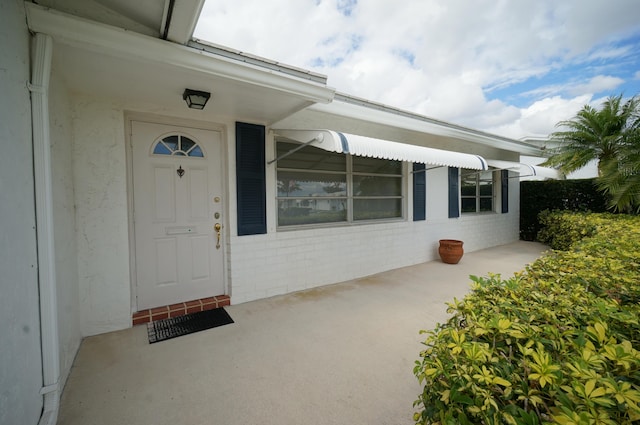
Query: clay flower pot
[{"x": 450, "y": 251}]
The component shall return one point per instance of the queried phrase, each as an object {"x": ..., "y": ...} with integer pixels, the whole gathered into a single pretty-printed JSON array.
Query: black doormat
[{"x": 164, "y": 329}]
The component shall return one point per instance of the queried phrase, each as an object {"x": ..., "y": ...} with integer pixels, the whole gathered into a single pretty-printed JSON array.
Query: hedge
[
  {"x": 555, "y": 344},
  {"x": 569, "y": 195}
]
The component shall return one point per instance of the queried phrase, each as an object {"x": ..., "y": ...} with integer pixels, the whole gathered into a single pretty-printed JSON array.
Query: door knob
[{"x": 217, "y": 227}]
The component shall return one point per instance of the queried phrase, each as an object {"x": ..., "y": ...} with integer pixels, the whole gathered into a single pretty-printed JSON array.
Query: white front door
[{"x": 177, "y": 200}]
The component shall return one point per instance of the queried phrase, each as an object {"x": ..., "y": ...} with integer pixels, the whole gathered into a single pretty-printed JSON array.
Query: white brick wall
[{"x": 288, "y": 261}]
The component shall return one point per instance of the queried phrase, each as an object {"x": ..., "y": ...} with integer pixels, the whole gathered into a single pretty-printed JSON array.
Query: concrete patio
[{"x": 340, "y": 354}]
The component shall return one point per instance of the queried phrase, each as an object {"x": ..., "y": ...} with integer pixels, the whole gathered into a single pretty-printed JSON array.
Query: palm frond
[{"x": 610, "y": 135}]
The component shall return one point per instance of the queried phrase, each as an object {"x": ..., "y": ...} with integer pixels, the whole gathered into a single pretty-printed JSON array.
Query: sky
[{"x": 514, "y": 68}]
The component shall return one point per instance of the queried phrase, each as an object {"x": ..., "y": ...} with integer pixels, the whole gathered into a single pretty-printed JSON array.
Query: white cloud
[
  {"x": 541, "y": 117},
  {"x": 439, "y": 57},
  {"x": 597, "y": 84}
]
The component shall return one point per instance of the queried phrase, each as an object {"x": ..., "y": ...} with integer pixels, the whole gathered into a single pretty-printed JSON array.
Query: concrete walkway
[{"x": 341, "y": 354}]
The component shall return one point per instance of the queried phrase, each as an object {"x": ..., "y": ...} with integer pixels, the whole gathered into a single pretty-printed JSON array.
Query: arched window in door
[{"x": 178, "y": 145}]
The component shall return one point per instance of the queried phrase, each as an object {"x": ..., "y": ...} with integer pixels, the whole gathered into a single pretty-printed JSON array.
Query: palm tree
[
  {"x": 620, "y": 177},
  {"x": 610, "y": 135},
  {"x": 595, "y": 134}
]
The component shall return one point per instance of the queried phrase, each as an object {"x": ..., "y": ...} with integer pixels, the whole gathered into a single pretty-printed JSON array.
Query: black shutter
[
  {"x": 504, "y": 185},
  {"x": 250, "y": 179},
  {"x": 454, "y": 193},
  {"x": 419, "y": 192}
]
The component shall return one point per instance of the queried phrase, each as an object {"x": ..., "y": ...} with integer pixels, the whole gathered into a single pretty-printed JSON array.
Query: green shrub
[
  {"x": 556, "y": 344},
  {"x": 561, "y": 230}
]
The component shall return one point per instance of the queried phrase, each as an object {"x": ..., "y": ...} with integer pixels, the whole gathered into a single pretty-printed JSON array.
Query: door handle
[{"x": 217, "y": 227}]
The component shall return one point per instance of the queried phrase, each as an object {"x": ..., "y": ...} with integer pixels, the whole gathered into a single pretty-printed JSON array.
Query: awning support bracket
[
  {"x": 427, "y": 169},
  {"x": 318, "y": 138}
]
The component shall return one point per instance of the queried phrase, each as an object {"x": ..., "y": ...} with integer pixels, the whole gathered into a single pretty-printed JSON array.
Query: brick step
[{"x": 180, "y": 309}]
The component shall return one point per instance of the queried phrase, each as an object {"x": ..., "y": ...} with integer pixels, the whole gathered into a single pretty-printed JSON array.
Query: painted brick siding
[{"x": 288, "y": 261}]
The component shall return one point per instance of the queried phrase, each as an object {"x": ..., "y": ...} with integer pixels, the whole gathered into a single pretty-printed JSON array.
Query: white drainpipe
[{"x": 39, "y": 87}]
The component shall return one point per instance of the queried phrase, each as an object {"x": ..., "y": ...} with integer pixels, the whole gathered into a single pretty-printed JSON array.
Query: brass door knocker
[{"x": 180, "y": 172}]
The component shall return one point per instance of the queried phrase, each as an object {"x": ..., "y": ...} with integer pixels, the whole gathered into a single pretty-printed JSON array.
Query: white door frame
[{"x": 181, "y": 122}]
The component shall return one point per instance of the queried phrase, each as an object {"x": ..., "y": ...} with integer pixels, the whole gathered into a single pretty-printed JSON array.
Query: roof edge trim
[{"x": 238, "y": 55}]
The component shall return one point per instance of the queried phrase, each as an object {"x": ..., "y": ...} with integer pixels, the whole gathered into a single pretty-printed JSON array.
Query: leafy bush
[
  {"x": 561, "y": 230},
  {"x": 556, "y": 344}
]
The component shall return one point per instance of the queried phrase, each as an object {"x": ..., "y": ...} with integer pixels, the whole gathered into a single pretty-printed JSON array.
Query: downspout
[{"x": 39, "y": 88}]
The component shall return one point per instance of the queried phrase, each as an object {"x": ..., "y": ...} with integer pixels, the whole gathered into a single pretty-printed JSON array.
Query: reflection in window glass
[
  {"x": 186, "y": 144},
  {"x": 172, "y": 142},
  {"x": 315, "y": 186},
  {"x": 176, "y": 145},
  {"x": 468, "y": 205},
  {"x": 161, "y": 149},
  {"x": 196, "y": 152},
  {"x": 311, "y": 211},
  {"x": 486, "y": 204},
  {"x": 377, "y": 186},
  {"x": 374, "y": 209},
  {"x": 300, "y": 184},
  {"x": 476, "y": 191},
  {"x": 309, "y": 158}
]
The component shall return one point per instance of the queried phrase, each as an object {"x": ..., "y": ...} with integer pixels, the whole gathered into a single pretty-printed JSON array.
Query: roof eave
[
  {"x": 79, "y": 32},
  {"x": 364, "y": 110}
]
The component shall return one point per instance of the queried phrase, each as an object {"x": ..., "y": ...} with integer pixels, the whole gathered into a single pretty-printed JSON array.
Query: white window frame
[
  {"x": 349, "y": 197},
  {"x": 495, "y": 183}
]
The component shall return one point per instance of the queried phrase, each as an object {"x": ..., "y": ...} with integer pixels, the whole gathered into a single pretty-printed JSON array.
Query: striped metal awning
[
  {"x": 527, "y": 171},
  {"x": 353, "y": 144}
]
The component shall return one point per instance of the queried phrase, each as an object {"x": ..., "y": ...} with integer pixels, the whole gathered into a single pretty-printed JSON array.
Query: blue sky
[
  {"x": 593, "y": 74},
  {"x": 510, "y": 67}
]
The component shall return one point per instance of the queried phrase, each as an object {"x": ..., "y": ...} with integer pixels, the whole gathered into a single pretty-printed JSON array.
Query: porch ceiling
[
  {"x": 112, "y": 63},
  {"x": 161, "y": 85}
]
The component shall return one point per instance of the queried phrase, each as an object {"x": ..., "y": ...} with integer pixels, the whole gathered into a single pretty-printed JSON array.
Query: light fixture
[{"x": 196, "y": 99}]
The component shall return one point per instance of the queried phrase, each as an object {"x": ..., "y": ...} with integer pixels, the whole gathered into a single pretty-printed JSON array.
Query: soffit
[
  {"x": 143, "y": 16},
  {"x": 108, "y": 62},
  {"x": 367, "y": 111},
  {"x": 174, "y": 21},
  {"x": 313, "y": 118}
]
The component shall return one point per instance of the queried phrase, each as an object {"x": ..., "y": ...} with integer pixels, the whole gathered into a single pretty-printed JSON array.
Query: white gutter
[
  {"x": 39, "y": 87},
  {"x": 112, "y": 41}
]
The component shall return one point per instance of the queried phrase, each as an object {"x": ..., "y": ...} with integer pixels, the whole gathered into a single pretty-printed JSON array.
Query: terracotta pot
[{"x": 450, "y": 251}]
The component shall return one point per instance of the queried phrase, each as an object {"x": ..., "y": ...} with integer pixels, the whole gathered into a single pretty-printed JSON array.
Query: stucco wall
[
  {"x": 20, "y": 356},
  {"x": 64, "y": 225},
  {"x": 99, "y": 170}
]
